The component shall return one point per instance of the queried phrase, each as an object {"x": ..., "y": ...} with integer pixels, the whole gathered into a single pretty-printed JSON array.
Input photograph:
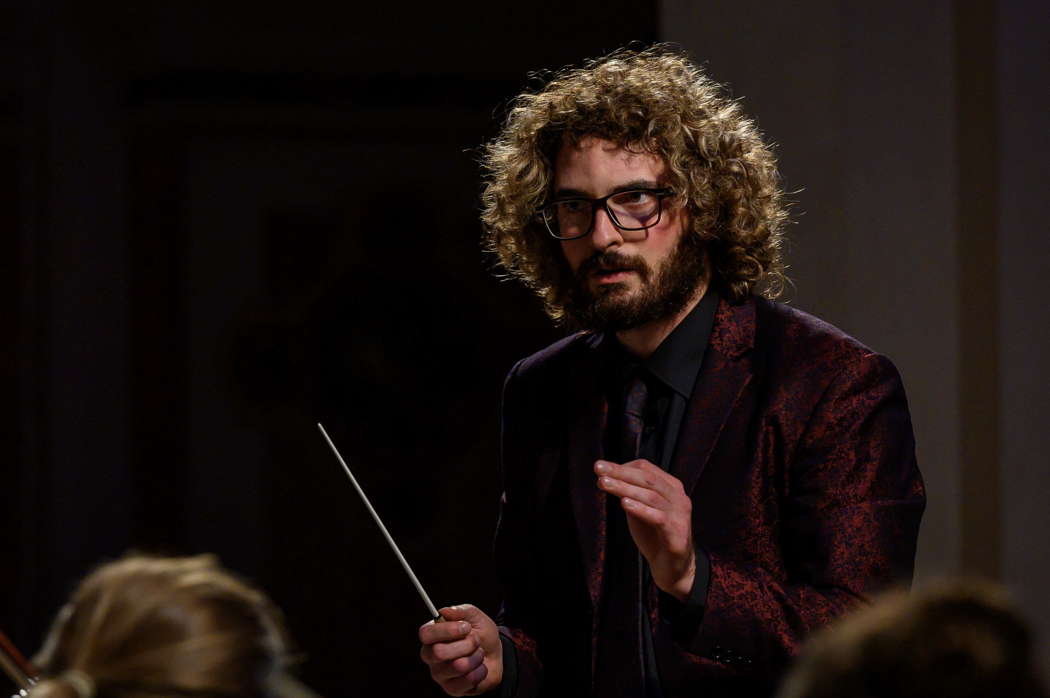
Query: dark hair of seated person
[
  {"x": 143, "y": 627},
  {"x": 953, "y": 640}
]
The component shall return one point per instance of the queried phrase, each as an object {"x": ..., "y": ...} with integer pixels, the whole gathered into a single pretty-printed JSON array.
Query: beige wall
[
  {"x": 903, "y": 136},
  {"x": 864, "y": 128},
  {"x": 1023, "y": 171}
]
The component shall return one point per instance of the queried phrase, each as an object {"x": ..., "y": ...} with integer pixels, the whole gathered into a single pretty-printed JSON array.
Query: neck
[{"x": 643, "y": 340}]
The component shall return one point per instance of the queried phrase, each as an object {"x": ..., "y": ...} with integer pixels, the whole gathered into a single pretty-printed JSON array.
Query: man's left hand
[{"x": 659, "y": 515}]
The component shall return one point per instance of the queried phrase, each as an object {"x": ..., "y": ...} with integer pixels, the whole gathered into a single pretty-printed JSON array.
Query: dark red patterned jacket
[{"x": 797, "y": 451}]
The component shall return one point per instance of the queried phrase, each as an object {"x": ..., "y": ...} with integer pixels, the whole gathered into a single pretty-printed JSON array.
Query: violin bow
[{"x": 15, "y": 665}]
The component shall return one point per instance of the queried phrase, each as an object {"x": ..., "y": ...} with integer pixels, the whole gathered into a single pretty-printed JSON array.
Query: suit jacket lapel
[
  {"x": 725, "y": 373},
  {"x": 584, "y": 446}
]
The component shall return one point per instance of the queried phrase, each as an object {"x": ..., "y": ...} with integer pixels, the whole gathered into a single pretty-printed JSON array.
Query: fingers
[
  {"x": 465, "y": 666},
  {"x": 464, "y": 611},
  {"x": 464, "y": 653},
  {"x": 648, "y": 514},
  {"x": 622, "y": 489},
  {"x": 457, "y": 668},
  {"x": 466, "y": 685},
  {"x": 648, "y": 494},
  {"x": 643, "y": 475},
  {"x": 447, "y": 642},
  {"x": 432, "y": 632},
  {"x": 453, "y": 649},
  {"x": 448, "y": 652}
]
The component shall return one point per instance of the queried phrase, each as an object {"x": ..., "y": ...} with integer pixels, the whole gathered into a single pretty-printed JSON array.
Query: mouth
[{"x": 609, "y": 276}]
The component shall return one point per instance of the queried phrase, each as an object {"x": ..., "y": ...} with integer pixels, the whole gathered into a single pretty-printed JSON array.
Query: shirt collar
[{"x": 676, "y": 362}]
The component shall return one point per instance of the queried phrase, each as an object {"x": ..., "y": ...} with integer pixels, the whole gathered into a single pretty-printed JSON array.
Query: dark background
[
  {"x": 225, "y": 222},
  {"x": 238, "y": 219}
]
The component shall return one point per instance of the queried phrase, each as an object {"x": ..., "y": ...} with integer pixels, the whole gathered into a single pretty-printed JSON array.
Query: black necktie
[
  {"x": 620, "y": 661},
  {"x": 633, "y": 418}
]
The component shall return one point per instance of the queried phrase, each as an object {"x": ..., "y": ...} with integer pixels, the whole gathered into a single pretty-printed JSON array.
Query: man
[{"x": 699, "y": 477}]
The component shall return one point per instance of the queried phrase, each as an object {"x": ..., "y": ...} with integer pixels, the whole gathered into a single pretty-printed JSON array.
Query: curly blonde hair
[{"x": 655, "y": 100}]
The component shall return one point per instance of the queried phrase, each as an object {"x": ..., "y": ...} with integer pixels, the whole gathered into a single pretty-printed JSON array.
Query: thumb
[{"x": 464, "y": 611}]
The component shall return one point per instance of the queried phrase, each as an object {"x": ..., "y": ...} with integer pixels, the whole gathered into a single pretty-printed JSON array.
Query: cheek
[
  {"x": 574, "y": 252},
  {"x": 665, "y": 237}
]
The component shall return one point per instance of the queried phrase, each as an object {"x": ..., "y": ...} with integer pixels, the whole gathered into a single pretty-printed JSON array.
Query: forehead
[{"x": 594, "y": 166}]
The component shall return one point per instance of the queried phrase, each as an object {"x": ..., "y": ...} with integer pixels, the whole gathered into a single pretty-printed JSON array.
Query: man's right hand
[{"x": 464, "y": 653}]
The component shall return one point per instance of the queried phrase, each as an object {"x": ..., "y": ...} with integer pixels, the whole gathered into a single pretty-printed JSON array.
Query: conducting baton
[{"x": 401, "y": 558}]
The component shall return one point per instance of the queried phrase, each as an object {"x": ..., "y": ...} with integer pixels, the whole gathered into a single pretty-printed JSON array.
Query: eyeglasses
[{"x": 630, "y": 211}]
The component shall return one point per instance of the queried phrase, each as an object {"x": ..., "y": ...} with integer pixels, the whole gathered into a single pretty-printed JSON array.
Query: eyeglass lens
[{"x": 629, "y": 210}]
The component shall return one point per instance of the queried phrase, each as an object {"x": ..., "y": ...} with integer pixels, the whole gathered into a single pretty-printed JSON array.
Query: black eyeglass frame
[{"x": 546, "y": 213}]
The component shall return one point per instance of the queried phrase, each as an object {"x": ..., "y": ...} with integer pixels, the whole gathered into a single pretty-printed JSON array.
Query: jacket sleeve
[
  {"x": 515, "y": 557},
  {"x": 850, "y": 519}
]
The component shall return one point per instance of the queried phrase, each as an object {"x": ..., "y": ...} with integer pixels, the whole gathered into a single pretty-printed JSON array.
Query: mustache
[{"x": 608, "y": 261}]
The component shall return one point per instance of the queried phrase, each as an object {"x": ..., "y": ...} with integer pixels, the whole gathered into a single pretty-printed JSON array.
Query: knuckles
[
  {"x": 465, "y": 665},
  {"x": 479, "y": 674},
  {"x": 448, "y": 651}
]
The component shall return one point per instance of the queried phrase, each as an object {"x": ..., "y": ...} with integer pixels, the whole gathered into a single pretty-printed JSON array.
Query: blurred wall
[
  {"x": 1022, "y": 65},
  {"x": 914, "y": 138},
  {"x": 225, "y": 223}
]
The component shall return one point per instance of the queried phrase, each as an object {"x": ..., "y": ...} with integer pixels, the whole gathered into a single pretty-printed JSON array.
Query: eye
[
  {"x": 634, "y": 198},
  {"x": 573, "y": 206}
]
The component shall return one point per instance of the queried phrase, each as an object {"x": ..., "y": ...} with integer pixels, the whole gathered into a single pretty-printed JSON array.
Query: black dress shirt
[{"x": 670, "y": 374}]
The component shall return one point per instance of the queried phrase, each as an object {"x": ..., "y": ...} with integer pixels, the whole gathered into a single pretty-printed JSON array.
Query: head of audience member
[
  {"x": 717, "y": 175},
  {"x": 144, "y": 627},
  {"x": 955, "y": 640}
]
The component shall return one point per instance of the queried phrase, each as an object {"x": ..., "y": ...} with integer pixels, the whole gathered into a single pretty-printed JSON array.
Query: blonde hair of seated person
[{"x": 143, "y": 627}]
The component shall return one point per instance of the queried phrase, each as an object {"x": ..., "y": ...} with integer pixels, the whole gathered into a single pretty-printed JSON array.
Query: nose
[{"x": 605, "y": 234}]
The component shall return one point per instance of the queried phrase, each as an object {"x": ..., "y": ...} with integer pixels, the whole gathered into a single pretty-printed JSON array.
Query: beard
[{"x": 663, "y": 292}]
